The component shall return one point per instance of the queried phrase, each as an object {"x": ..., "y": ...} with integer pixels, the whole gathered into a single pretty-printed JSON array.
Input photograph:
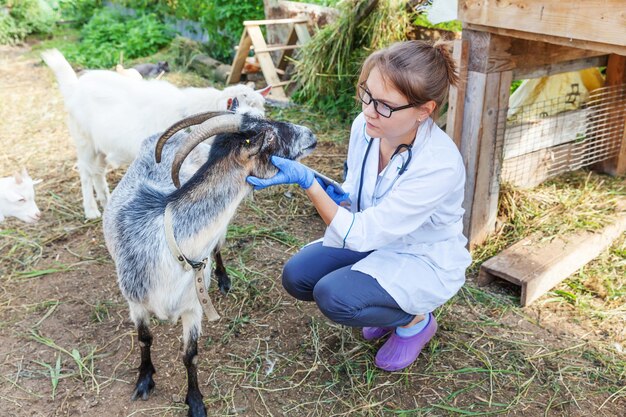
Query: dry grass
[{"x": 67, "y": 346}]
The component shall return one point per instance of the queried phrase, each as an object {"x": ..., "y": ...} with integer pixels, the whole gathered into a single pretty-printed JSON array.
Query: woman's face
[{"x": 402, "y": 126}]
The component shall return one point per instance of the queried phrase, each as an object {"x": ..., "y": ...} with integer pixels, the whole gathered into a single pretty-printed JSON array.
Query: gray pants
[{"x": 347, "y": 297}]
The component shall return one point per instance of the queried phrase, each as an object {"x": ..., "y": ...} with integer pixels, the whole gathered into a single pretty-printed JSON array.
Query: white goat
[
  {"x": 17, "y": 197},
  {"x": 149, "y": 275},
  {"x": 110, "y": 115}
]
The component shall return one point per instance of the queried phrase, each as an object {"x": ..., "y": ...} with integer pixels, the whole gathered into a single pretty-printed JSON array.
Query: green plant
[
  {"x": 19, "y": 18},
  {"x": 328, "y": 66},
  {"x": 78, "y": 12},
  {"x": 222, "y": 19},
  {"x": 110, "y": 34}
]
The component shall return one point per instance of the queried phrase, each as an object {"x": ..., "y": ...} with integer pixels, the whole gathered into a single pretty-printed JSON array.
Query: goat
[
  {"x": 149, "y": 276},
  {"x": 152, "y": 70},
  {"x": 109, "y": 115},
  {"x": 17, "y": 197}
]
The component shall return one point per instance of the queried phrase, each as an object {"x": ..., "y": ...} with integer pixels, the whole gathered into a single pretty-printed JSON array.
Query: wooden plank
[
  {"x": 545, "y": 132},
  {"x": 538, "y": 265},
  {"x": 274, "y": 48},
  {"x": 303, "y": 33},
  {"x": 275, "y": 21},
  {"x": 470, "y": 138},
  {"x": 600, "y": 48},
  {"x": 560, "y": 67},
  {"x": 267, "y": 65},
  {"x": 487, "y": 187},
  {"x": 292, "y": 39},
  {"x": 598, "y": 21},
  {"x": 615, "y": 76},
  {"x": 531, "y": 169},
  {"x": 492, "y": 52},
  {"x": 240, "y": 58},
  {"x": 456, "y": 96}
]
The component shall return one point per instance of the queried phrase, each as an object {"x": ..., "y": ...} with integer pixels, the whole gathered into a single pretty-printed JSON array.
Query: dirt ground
[{"x": 67, "y": 346}]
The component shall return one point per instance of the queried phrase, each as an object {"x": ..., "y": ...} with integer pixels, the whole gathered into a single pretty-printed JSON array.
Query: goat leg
[
  {"x": 190, "y": 359},
  {"x": 145, "y": 383},
  {"x": 223, "y": 280}
]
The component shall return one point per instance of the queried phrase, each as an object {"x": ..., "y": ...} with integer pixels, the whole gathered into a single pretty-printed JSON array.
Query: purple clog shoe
[
  {"x": 398, "y": 352},
  {"x": 371, "y": 333}
]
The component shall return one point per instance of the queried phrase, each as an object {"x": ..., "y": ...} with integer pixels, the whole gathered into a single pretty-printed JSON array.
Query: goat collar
[{"x": 187, "y": 264}]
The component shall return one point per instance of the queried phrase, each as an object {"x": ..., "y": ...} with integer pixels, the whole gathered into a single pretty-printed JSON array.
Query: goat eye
[{"x": 22, "y": 200}]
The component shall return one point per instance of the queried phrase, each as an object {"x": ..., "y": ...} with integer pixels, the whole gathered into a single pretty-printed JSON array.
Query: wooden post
[
  {"x": 616, "y": 75},
  {"x": 486, "y": 100},
  {"x": 456, "y": 96},
  {"x": 240, "y": 58}
]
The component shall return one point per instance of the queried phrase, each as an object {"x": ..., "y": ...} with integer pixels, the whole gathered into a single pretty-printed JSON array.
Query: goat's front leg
[
  {"x": 100, "y": 182},
  {"x": 145, "y": 383},
  {"x": 223, "y": 280},
  {"x": 191, "y": 332}
]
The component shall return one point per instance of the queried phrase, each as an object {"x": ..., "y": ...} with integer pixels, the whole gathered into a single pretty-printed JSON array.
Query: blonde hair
[{"x": 421, "y": 70}]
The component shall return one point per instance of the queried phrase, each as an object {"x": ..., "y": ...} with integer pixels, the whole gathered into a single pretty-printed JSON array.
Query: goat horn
[
  {"x": 226, "y": 123},
  {"x": 180, "y": 125}
]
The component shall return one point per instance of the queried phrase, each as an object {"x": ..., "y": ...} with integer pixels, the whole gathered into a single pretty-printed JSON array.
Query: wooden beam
[
  {"x": 275, "y": 21},
  {"x": 616, "y": 76},
  {"x": 489, "y": 164},
  {"x": 240, "y": 58},
  {"x": 597, "y": 22},
  {"x": 456, "y": 96},
  {"x": 491, "y": 52},
  {"x": 599, "y": 48},
  {"x": 267, "y": 65},
  {"x": 560, "y": 67},
  {"x": 538, "y": 265}
]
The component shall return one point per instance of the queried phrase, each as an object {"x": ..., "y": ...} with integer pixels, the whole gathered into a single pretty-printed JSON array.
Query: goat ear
[
  {"x": 264, "y": 91},
  {"x": 268, "y": 139},
  {"x": 232, "y": 104},
  {"x": 37, "y": 181},
  {"x": 18, "y": 178}
]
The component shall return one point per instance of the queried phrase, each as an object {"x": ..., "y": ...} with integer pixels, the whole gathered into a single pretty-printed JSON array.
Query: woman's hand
[
  {"x": 289, "y": 172},
  {"x": 338, "y": 198}
]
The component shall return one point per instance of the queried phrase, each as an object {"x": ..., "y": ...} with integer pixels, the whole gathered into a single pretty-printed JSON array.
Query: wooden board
[
  {"x": 530, "y": 136},
  {"x": 490, "y": 52},
  {"x": 616, "y": 75},
  {"x": 598, "y": 21},
  {"x": 538, "y": 266},
  {"x": 456, "y": 96},
  {"x": 486, "y": 97}
]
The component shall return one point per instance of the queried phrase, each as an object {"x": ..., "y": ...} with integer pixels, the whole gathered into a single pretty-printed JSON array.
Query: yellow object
[{"x": 546, "y": 96}]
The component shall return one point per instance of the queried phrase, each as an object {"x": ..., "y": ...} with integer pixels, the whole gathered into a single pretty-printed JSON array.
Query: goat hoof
[
  {"x": 143, "y": 389},
  {"x": 196, "y": 405},
  {"x": 92, "y": 214},
  {"x": 224, "y": 286}
]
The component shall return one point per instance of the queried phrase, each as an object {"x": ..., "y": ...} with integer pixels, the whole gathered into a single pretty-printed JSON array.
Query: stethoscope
[{"x": 402, "y": 170}]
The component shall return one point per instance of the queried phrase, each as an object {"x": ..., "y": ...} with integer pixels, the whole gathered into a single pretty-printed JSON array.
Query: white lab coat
[{"x": 414, "y": 224}]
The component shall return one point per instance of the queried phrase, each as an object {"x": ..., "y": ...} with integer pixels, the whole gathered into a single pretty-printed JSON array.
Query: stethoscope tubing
[{"x": 402, "y": 170}]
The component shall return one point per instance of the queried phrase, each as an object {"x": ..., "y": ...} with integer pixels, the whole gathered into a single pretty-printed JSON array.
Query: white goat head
[
  {"x": 248, "y": 100},
  {"x": 17, "y": 197}
]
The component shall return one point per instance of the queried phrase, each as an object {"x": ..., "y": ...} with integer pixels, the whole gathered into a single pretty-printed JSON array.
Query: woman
[{"x": 396, "y": 251}]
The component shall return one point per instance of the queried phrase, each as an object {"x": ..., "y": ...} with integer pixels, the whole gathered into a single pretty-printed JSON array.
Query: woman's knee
[
  {"x": 294, "y": 281},
  {"x": 331, "y": 303}
]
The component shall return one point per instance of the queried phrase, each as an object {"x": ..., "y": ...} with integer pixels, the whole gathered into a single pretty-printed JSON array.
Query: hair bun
[{"x": 445, "y": 49}]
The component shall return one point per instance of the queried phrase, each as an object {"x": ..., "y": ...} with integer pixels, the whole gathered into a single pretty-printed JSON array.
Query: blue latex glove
[
  {"x": 289, "y": 172},
  {"x": 330, "y": 190}
]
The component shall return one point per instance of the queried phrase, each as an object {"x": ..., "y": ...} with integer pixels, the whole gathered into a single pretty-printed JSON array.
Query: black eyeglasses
[{"x": 381, "y": 108}]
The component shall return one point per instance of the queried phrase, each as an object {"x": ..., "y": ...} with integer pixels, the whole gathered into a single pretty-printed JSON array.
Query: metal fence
[{"x": 537, "y": 142}]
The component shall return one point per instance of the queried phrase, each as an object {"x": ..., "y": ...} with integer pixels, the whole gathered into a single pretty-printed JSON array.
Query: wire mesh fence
[{"x": 538, "y": 141}]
